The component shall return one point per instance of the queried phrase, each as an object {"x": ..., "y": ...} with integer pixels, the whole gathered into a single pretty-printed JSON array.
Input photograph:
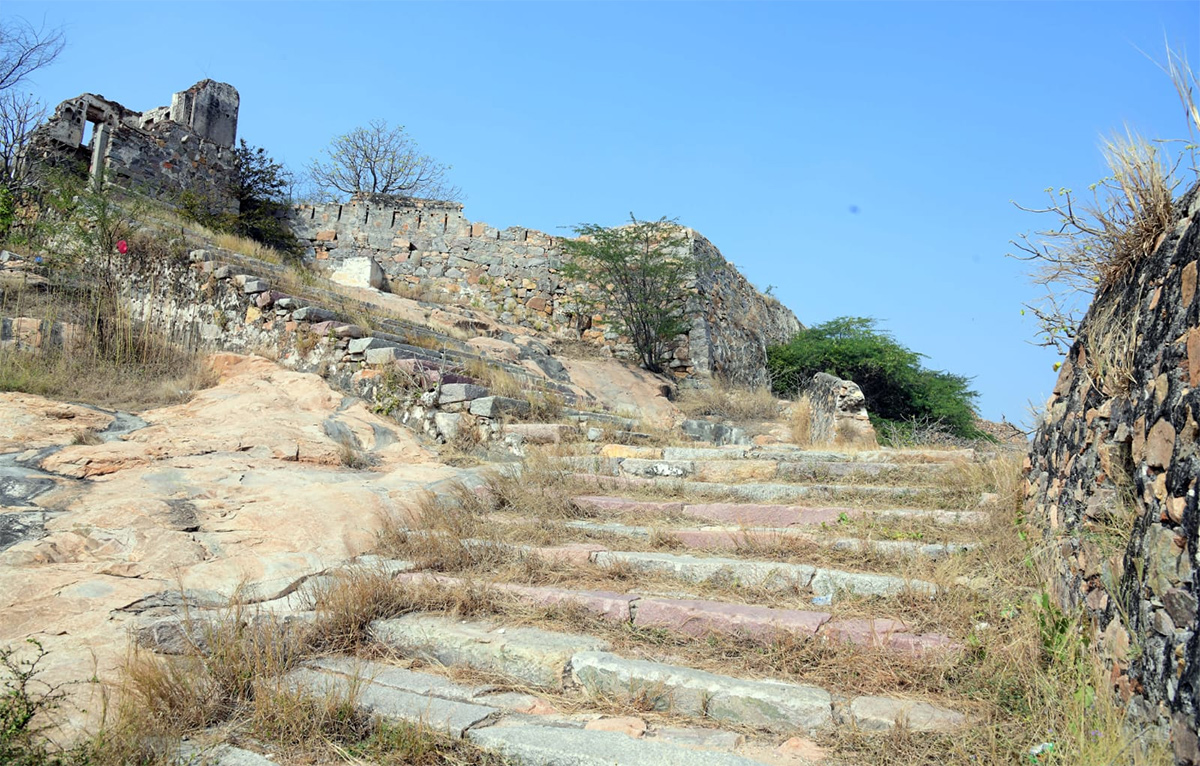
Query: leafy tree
[
  {"x": 639, "y": 269},
  {"x": 379, "y": 159},
  {"x": 896, "y": 386},
  {"x": 260, "y": 186}
]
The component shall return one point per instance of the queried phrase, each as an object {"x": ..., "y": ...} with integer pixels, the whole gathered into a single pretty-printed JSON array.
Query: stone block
[
  {"x": 537, "y": 657},
  {"x": 253, "y": 286},
  {"x": 312, "y": 314},
  {"x": 450, "y": 716},
  {"x": 830, "y": 582},
  {"x": 452, "y": 393},
  {"x": 363, "y": 345},
  {"x": 448, "y": 424},
  {"x": 495, "y": 406},
  {"x": 699, "y": 618},
  {"x": 385, "y": 355},
  {"x": 361, "y": 271},
  {"x": 684, "y": 691},
  {"x": 562, "y": 746},
  {"x": 623, "y": 451},
  {"x": 222, "y": 272},
  {"x": 884, "y": 713},
  {"x": 767, "y": 574},
  {"x": 542, "y": 433}
]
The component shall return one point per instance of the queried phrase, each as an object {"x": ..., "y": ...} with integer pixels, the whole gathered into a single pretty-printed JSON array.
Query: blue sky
[{"x": 860, "y": 157}]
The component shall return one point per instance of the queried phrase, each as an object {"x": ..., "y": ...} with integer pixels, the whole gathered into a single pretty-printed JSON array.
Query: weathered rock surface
[{"x": 240, "y": 490}]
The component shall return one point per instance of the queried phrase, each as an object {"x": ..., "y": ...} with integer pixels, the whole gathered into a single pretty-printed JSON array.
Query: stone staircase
[{"x": 661, "y": 626}]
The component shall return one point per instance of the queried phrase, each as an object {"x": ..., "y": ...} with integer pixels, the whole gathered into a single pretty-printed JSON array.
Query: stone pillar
[
  {"x": 100, "y": 139},
  {"x": 839, "y": 413}
]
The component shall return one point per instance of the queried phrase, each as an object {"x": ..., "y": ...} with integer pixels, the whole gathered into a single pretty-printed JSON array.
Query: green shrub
[{"x": 896, "y": 386}]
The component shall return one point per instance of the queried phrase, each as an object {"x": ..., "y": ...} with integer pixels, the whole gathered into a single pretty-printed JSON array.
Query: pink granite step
[
  {"x": 880, "y": 632},
  {"x": 697, "y": 617}
]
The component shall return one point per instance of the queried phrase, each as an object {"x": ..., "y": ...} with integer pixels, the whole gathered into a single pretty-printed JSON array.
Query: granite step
[
  {"x": 772, "y": 575},
  {"x": 755, "y": 469},
  {"x": 716, "y": 537},
  {"x": 763, "y": 492},
  {"x": 701, "y": 618},
  {"x": 790, "y": 453},
  {"x": 775, "y": 575},
  {"x": 772, "y": 514},
  {"x": 587, "y": 666}
]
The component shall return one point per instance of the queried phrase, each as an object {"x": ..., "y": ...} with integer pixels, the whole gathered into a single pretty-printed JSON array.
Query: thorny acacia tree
[
  {"x": 379, "y": 159},
  {"x": 640, "y": 269}
]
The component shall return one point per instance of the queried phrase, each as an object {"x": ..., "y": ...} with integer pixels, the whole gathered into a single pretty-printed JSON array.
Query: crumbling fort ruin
[{"x": 164, "y": 151}]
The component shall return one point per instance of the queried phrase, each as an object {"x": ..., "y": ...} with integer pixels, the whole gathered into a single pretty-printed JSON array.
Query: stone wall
[
  {"x": 1113, "y": 475},
  {"x": 164, "y": 151},
  {"x": 209, "y": 302},
  {"x": 515, "y": 274}
]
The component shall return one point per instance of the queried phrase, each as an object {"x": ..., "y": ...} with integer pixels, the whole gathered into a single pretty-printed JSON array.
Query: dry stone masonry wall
[
  {"x": 164, "y": 151},
  {"x": 515, "y": 274},
  {"x": 1113, "y": 478}
]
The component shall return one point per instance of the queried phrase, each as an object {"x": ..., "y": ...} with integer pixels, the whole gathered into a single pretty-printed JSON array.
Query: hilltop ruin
[{"x": 163, "y": 151}]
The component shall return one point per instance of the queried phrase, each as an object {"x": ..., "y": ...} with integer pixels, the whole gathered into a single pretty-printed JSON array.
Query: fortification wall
[
  {"x": 515, "y": 273},
  {"x": 1113, "y": 477}
]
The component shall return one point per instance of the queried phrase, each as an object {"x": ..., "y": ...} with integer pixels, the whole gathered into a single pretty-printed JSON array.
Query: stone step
[
  {"x": 537, "y": 657},
  {"x": 451, "y": 716},
  {"x": 753, "y": 469},
  {"x": 772, "y": 575},
  {"x": 759, "y": 492},
  {"x": 700, "y": 618},
  {"x": 771, "y": 514},
  {"x": 736, "y": 537},
  {"x": 764, "y": 704},
  {"x": 792, "y": 453},
  {"x": 772, "y": 705},
  {"x": 533, "y": 744},
  {"x": 768, "y": 574},
  {"x": 515, "y": 722}
]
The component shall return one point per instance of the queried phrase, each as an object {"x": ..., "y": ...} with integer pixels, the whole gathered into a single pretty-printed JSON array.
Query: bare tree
[
  {"x": 24, "y": 49},
  {"x": 379, "y": 159},
  {"x": 20, "y": 113}
]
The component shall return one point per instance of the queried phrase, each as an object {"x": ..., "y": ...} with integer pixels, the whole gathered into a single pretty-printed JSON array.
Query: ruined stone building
[{"x": 163, "y": 151}]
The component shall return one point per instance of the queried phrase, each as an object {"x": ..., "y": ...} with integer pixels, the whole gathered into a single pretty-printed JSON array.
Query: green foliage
[
  {"x": 260, "y": 188},
  {"x": 639, "y": 271},
  {"x": 897, "y": 388},
  {"x": 24, "y": 697}
]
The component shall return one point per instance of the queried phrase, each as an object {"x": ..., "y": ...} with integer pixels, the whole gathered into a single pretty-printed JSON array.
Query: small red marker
[{"x": 122, "y": 247}]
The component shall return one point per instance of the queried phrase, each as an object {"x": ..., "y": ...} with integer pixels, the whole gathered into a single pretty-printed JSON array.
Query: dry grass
[
  {"x": 728, "y": 402},
  {"x": 800, "y": 422}
]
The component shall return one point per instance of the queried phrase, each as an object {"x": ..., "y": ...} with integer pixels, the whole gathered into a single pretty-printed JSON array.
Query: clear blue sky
[{"x": 763, "y": 126}]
